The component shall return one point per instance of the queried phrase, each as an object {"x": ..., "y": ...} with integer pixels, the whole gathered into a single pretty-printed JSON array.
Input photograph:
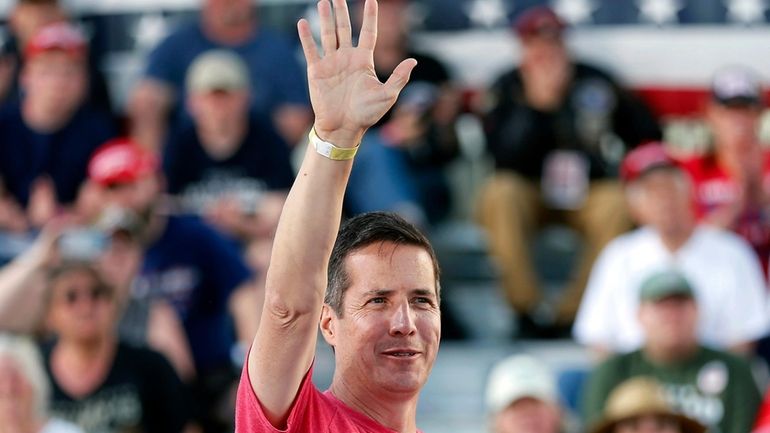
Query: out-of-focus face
[
  {"x": 138, "y": 197},
  {"x": 56, "y": 84},
  {"x": 392, "y": 22},
  {"x": 16, "y": 393},
  {"x": 543, "y": 49},
  {"x": 219, "y": 110},
  {"x": 669, "y": 323},
  {"x": 734, "y": 128},
  {"x": 388, "y": 335},
  {"x": 229, "y": 12},
  {"x": 648, "y": 424},
  {"x": 81, "y": 310},
  {"x": 661, "y": 199},
  {"x": 28, "y": 18},
  {"x": 528, "y": 415}
]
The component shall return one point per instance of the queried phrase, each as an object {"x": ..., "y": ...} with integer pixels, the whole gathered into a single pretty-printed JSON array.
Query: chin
[{"x": 403, "y": 383}]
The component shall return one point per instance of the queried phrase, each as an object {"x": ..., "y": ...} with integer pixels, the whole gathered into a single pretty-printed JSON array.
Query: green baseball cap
[{"x": 664, "y": 284}]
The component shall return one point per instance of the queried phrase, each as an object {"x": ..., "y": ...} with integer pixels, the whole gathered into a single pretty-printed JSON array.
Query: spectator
[
  {"x": 187, "y": 265},
  {"x": 47, "y": 138},
  {"x": 99, "y": 382},
  {"x": 557, "y": 129},
  {"x": 275, "y": 75},
  {"x": 639, "y": 405},
  {"x": 721, "y": 266},
  {"x": 401, "y": 167},
  {"x": 228, "y": 164},
  {"x": 522, "y": 397},
  {"x": 711, "y": 386},
  {"x": 24, "y": 390},
  {"x": 731, "y": 183}
]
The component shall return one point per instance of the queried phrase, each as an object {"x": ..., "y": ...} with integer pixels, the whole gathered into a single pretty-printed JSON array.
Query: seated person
[
  {"x": 556, "y": 129},
  {"x": 721, "y": 267},
  {"x": 25, "y": 391},
  {"x": 731, "y": 183},
  {"x": 522, "y": 396},
  {"x": 714, "y": 387},
  {"x": 639, "y": 405},
  {"x": 47, "y": 138},
  {"x": 228, "y": 165},
  {"x": 277, "y": 80}
]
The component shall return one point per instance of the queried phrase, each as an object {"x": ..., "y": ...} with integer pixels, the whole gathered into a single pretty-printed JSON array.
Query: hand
[{"x": 346, "y": 95}]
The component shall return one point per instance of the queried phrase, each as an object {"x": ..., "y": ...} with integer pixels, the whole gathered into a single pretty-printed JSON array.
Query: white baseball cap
[
  {"x": 217, "y": 70},
  {"x": 517, "y": 377}
]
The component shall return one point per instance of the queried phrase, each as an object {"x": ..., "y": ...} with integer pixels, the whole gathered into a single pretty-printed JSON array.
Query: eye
[
  {"x": 377, "y": 300},
  {"x": 423, "y": 300}
]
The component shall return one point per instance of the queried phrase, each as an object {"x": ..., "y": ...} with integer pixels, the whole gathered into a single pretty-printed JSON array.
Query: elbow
[{"x": 286, "y": 310}]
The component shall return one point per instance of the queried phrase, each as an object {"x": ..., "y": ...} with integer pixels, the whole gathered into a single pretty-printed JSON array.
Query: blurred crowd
[{"x": 134, "y": 242}]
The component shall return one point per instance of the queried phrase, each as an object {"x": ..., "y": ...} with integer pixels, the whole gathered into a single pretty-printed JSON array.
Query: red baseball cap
[
  {"x": 643, "y": 159},
  {"x": 121, "y": 160},
  {"x": 539, "y": 20},
  {"x": 60, "y": 36}
]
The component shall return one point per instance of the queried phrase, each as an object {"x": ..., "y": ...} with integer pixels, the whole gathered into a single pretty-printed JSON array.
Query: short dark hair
[
  {"x": 71, "y": 267},
  {"x": 362, "y": 231}
]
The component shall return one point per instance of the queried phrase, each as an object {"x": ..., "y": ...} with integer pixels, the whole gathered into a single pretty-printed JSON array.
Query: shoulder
[
  {"x": 585, "y": 71},
  {"x": 182, "y": 33},
  {"x": 724, "y": 241}
]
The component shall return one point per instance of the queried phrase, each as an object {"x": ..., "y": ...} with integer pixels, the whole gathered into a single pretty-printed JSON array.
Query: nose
[{"x": 402, "y": 322}]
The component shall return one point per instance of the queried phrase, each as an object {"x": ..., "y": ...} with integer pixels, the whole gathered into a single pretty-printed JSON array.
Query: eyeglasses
[{"x": 72, "y": 296}]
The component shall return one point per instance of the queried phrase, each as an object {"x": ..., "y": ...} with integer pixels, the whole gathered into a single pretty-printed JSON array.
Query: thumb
[{"x": 399, "y": 77}]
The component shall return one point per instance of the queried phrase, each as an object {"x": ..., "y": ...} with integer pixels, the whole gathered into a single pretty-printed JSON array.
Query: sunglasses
[{"x": 72, "y": 296}]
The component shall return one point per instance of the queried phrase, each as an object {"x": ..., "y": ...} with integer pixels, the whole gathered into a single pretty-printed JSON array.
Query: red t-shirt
[
  {"x": 713, "y": 188},
  {"x": 763, "y": 416},
  {"x": 313, "y": 411}
]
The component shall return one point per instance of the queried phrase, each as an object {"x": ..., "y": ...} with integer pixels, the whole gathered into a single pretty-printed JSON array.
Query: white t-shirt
[
  {"x": 721, "y": 267},
  {"x": 58, "y": 426}
]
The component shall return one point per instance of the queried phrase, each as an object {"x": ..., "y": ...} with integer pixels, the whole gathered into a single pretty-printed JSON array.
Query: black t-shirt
[
  {"x": 141, "y": 394},
  {"x": 262, "y": 163},
  {"x": 595, "y": 108}
]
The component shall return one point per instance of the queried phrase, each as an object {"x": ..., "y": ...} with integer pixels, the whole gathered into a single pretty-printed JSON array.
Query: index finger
[{"x": 368, "y": 36}]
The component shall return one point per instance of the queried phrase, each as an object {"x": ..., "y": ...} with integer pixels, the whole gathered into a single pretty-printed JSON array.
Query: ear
[{"x": 328, "y": 324}]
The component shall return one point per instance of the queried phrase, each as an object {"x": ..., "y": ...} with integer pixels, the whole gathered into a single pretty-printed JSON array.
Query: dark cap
[
  {"x": 664, "y": 284},
  {"x": 644, "y": 158},
  {"x": 539, "y": 20},
  {"x": 737, "y": 86}
]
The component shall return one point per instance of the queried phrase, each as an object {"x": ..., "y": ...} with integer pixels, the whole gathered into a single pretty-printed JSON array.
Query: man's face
[
  {"x": 528, "y": 415},
  {"x": 648, "y": 424},
  {"x": 80, "y": 309},
  {"x": 544, "y": 49},
  {"x": 56, "y": 83},
  {"x": 670, "y": 323},
  {"x": 661, "y": 199},
  {"x": 137, "y": 197},
  {"x": 216, "y": 110},
  {"x": 229, "y": 12},
  {"x": 734, "y": 127},
  {"x": 388, "y": 335}
]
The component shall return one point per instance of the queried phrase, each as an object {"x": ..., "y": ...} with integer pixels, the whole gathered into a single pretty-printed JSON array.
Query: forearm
[
  {"x": 21, "y": 300},
  {"x": 306, "y": 233}
]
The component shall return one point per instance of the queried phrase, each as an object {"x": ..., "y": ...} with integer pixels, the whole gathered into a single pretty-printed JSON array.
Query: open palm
[{"x": 346, "y": 95}]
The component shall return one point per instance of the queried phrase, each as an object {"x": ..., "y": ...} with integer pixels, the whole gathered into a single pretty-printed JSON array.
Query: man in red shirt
[
  {"x": 732, "y": 182},
  {"x": 380, "y": 310}
]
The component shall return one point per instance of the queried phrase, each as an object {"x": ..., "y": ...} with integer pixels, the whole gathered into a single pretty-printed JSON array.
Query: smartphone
[{"x": 82, "y": 244}]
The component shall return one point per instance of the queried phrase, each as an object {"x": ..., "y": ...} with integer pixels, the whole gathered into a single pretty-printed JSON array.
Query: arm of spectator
[
  {"x": 22, "y": 291},
  {"x": 742, "y": 409},
  {"x": 229, "y": 215},
  {"x": 148, "y": 110},
  {"x": 245, "y": 305},
  {"x": 347, "y": 99},
  {"x": 166, "y": 334},
  {"x": 597, "y": 388}
]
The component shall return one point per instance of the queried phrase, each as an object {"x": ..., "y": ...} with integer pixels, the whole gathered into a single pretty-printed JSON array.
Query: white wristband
[{"x": 329, "y": 150}]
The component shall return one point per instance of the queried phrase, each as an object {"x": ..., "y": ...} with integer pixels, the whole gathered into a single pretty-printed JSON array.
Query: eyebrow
[{"x": 387, "y": 292}]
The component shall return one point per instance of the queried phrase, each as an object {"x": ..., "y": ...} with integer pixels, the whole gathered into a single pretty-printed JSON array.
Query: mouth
[{"x": 401, "y": 353}]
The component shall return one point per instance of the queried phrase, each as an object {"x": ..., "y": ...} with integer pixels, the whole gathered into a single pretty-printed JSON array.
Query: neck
[
  {"x": 394, "y": 411},
  {"x": 81, "y": 355},
  {"x": 228, "y": 33},
  {"x": 675, "y": 237},
  {"x": 222, "y": 143},
  {"x": 667, "y": 355}
]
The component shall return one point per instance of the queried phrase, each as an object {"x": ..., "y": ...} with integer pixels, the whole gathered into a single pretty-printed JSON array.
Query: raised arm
[{"x": 347, "y": 99}]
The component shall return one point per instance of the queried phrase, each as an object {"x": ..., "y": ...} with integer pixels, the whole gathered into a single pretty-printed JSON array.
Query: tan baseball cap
[
  {"x": 520, "y": 376},
  {"x": 637, "y": 397},
  {"x": 215, "y": 70}
]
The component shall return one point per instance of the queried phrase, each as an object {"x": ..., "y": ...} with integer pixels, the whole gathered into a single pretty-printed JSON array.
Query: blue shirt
[
  {"x": 63, "y": 155},
  {"x": 275, "y": 73},
  {"x": 195, "y": 269}
]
